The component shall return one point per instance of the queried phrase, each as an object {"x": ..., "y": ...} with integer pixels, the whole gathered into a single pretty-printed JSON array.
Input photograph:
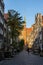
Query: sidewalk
[{"x": 1, "y": 62}]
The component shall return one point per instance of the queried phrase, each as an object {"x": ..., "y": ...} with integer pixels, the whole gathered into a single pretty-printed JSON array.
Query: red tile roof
[
  {"x": 29, "y": 30},
  {"x": 6, "y": 16}
]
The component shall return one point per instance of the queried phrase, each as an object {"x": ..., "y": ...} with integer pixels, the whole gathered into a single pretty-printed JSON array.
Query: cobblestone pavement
[{"x": 23, "y": 58}]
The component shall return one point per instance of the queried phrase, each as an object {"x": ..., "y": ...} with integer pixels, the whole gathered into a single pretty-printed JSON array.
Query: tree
[
  {"x": 15, "y": 23},
  {"x": 21, "y": 44}
]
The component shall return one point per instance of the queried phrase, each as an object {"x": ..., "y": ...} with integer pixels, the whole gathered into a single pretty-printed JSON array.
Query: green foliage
[
  {"x": 15, "y": 23},
  {"x": 21, "y": 44}
]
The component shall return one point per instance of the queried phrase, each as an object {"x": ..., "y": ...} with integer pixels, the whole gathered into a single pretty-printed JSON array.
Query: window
[
  {"x": 1, "y": 31},
  {"x": 40, "y": 36}
]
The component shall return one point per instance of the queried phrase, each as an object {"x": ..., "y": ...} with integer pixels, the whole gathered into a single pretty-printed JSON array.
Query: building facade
[
  {"x": 1, "y": 22},
  {"x": 38, "y": 38},
  {"x": 36, "y": 28},
  {"x": 3, "y": 30}
]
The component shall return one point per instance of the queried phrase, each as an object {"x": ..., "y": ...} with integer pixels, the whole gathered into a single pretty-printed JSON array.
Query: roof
[
  {"x": 6, "y": 16},
  {"x": 29, "y": 30}
]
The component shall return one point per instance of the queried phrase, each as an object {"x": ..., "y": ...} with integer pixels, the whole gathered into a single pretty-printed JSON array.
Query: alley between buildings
[{"x": 24, "y": 58}]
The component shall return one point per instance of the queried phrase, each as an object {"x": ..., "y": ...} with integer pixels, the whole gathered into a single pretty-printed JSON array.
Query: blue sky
[{"x": 27, "y": 8}]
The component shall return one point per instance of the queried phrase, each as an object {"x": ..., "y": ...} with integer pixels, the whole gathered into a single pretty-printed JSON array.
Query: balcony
[
  {"x": 1, "y": 20},
  {"x": 1, "y": 43},
  {"x": 2, "y": 3},
  {"x": 1, "y": 26},
  {"x": 2, "y": 10},
  {"x": 1, "y": 31},
  {"x": 5, "y": 26},
  {"x": 4, "y": 34},
  {"x": 1, "y": 15}
]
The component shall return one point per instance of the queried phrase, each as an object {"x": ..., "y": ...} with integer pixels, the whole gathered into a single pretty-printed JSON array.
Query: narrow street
[{"x": 24, "y": 58}]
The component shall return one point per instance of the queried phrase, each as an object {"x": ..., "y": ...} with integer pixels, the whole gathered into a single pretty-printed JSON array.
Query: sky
[{"x": 26, "y": 8}]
